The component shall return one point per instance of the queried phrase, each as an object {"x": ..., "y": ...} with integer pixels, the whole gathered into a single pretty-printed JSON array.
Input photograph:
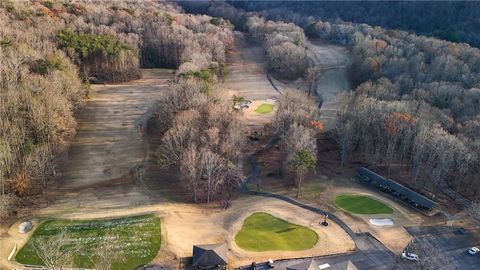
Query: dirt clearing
[{"x": 108, "y": 141}]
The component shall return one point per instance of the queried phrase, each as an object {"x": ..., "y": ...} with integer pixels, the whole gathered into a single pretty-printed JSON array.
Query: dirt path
[
  {"x": 108, "y": 143},
  {"x": 332, "y": 60}
]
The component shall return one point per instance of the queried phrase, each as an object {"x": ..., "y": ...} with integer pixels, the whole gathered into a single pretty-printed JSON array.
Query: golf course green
[
  {"x": 264, "y": 108},
  {"x": 361, "y": 204},
  {"x": 264, "y": 232}
]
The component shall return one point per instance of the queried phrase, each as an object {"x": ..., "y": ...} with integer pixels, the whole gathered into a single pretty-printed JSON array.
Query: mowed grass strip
[
  {"x": 264, "y": 108},
  {"x": 360, "y": 204},
  {"x": 137, "y": 238},
  {"x": 264, "y": 232}
]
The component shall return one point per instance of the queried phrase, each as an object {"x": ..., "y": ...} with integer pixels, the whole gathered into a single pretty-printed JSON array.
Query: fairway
[
  {"x": 264, "y": 232},
  {"x": 138, "y": 238},
  {"x": 264, "y": 108},
  {"x": 360, "y": 204}
]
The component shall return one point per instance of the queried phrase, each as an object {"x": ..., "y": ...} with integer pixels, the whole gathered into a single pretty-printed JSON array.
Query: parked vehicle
[
  {"x": 473, "y": 250},
  {"x": 410, "y": 256}
]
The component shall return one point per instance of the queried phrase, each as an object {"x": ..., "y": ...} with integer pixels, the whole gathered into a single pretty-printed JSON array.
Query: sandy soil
[{"x": 108, "y": 142}]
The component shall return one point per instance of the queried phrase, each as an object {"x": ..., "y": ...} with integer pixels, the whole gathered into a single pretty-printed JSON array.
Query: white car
[
  {"x": 410, "y": 256},
  {"x": 473, "y": 250}
]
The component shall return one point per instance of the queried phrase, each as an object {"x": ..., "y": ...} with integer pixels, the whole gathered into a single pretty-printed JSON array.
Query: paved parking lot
[
  {"x": 370, "y": 255},
  {"x": 451, "y": 243}
]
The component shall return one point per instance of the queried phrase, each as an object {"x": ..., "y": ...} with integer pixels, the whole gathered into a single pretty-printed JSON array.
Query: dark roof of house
[
  {"x": 403, "y": 190},
  {"x": 311, "y": 264},
  {"x": 345, "y": 265},
  {"x": 308, "y": 264},
  {"x": 209, "y": 255}
]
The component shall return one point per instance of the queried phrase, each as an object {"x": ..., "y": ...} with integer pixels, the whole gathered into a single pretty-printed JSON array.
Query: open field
[
  {"x": 264, "y": 232},
  {"x": 109, "y": 143},
  {"x": 360, "y": 204},
  {"x": 137, "y": 239}
]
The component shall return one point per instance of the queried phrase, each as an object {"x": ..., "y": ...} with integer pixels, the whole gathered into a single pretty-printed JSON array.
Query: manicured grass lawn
[
  {"x": 264, "y": 232},
  {"x": 360, "y": 204},
  {"x": 138, "y": 237},
  {"x": 264, "y": 108}
]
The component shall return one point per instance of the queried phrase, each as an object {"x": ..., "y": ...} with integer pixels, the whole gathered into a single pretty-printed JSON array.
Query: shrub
[
  {"x": 90, "y": 45},
  {"x": 45, "y": 66}
]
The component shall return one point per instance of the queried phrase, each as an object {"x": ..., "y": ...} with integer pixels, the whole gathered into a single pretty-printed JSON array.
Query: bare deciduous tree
[
  {"x": 107, "y": 253},
  {"x": 53, "y": 251}
]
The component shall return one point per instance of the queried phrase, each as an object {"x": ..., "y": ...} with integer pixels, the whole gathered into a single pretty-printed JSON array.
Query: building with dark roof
[
  {"x": 311, "y": 264},
  {"x": 308, "y": 264},
  {"x": 210, "y": 256},
  {"x": 397, "y": 190}
]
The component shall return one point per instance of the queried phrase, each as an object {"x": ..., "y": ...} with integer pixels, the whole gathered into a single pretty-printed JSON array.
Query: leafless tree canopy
[
  {"x": 429, "y": 258},
  {"x": 51, "y": 250},
  {"x": 203, "y": 137}
]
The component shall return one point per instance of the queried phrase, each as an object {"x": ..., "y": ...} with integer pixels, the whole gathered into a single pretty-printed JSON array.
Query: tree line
[
  {"x": 457, "y": 22},
  {"x": 284, "y": 43},
  {"x": 423, "y": 93},
  {"x": 202, "y": 138},
  {"x": 296, "y": 124},
  {"x": 40, "y": 90}
]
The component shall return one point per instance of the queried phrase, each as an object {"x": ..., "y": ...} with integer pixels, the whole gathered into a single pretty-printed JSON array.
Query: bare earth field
[{"x": 108, "y": 141}]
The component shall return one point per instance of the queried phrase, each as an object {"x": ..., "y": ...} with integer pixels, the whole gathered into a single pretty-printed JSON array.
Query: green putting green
[
  {"x": 264, "y": 108},
  {"x": 360, "y": 204},
  {"x": 264, "y": 232},
  {"x": 138, "y": 237}
]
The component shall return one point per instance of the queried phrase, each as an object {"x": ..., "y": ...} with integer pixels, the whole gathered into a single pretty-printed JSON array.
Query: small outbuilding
[
  {"x": 308, "y": 264},
  {"x": 210, "y": 256},
  {"x": 396, "y": 190},
  {"x": 311, "y": 264}
]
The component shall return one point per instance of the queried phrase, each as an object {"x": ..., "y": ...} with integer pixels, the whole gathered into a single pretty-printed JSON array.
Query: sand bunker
[{"x": 381, "y": 221}]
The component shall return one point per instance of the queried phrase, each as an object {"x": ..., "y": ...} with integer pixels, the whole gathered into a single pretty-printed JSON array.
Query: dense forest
[
  {"x": 51, "y": 51},
  {"x": 415, "y": 104},
  {"x": 449, "y": 20}
]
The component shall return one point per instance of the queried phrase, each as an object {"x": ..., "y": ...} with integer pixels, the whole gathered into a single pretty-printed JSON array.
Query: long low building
[{"x": 396, "y": 190}]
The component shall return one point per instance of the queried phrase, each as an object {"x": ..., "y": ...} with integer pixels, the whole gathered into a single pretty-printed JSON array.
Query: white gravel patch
[{"x": 381, "y": 221}]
